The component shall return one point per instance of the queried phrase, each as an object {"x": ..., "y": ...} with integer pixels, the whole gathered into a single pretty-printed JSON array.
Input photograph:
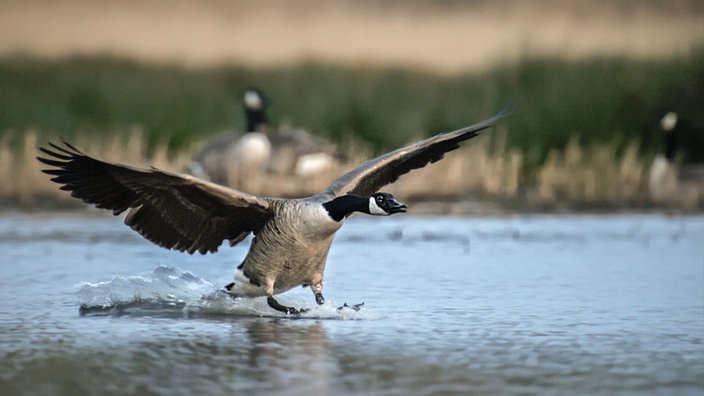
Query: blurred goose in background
[
  {"x": 668, "y": 182},
  {"x": 292, "y": 237},
  {"x": 230, "y": 158}
]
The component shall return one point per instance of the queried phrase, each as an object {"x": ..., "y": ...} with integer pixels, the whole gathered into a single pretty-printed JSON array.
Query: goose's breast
[
  {"x": 313, "y": 223},
  {"x": 292, "y": 249}
]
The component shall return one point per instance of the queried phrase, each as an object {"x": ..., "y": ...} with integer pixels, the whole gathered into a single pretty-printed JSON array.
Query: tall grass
[
  {"x": 578, "y": 177},
  {"x": 22, "y": 182},
  {"x": 595, "y": 175}
]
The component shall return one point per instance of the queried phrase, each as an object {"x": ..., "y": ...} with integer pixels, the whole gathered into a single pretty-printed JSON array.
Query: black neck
[
  {"x": 256, "y": 120},
  {"x": 343, "y": 206}
]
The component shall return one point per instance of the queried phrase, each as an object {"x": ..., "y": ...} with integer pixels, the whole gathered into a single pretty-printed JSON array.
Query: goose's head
[
  {"x": 669, "y": 122},
  {"x": 253, "y": 99},
  {"x": 378, "y": 204},
  {"x": 255, "y": 104},
  {"x": 384, "y": 204}
]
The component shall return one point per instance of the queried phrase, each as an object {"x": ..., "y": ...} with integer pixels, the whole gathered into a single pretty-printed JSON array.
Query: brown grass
[
  {"x": 593, "y": 176},
  {"x": 478, "y": 168},
  {"x": 23, "y": 183}
]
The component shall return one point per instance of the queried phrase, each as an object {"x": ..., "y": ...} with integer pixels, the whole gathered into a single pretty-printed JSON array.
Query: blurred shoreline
[{"x": 147, "y": 82}]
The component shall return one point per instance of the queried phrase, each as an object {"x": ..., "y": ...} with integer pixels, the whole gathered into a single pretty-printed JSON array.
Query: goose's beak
[{"x": 395, "y": 206}]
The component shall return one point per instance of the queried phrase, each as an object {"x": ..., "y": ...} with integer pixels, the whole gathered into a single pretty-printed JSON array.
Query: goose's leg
[
  {"x": 318, "y": 291},
  {"x": 282, "y": 308}
]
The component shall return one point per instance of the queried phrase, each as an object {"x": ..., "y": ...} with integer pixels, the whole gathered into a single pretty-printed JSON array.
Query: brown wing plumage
[
  {"x": 386, "y": 169},
  {"x": 172, "y": 210}
]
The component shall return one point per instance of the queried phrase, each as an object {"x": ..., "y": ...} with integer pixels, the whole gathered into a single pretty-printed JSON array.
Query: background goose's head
[
  {"x": 384, "y": 204},
  {"x": 255, "y": 104},
  {"x": 253, "y": 99}
]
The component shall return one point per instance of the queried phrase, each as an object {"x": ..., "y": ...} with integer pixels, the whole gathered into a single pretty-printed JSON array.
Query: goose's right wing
[{"x": 172, "y": 210}]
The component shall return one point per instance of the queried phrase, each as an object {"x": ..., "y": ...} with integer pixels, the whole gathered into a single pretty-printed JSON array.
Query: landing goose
[{"x": 292, "y": 237}]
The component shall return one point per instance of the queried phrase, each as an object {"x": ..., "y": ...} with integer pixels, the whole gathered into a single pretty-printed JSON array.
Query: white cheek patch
[
  {"x": 252, "y": 100},
  {"x": 375, "y": 209}
]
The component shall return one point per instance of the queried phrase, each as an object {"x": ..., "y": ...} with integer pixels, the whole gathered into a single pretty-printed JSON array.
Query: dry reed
[
  {"x": 596, "y": 175},
  {"x": 480, "y": 167},
  {"x": 22, "y": 182}
]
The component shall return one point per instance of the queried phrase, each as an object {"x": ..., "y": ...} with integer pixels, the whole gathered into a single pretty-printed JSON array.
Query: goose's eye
[{"x": 380, "y": 199}]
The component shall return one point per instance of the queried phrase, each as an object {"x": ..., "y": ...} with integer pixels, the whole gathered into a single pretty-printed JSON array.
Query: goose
[
  {"x": 662, "y": 177},
  {"x": 670, "y": 182},
  {"x": 293, "y": 151},
  {"x": 292, "y": 237},
  {"x": 230, "y": 158}
]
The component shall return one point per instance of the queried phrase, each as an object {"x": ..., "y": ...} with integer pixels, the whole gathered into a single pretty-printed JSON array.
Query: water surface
[{"x": 511, "y": 305}]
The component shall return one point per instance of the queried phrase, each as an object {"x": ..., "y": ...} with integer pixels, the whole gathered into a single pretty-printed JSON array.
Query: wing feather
[
  {"x": 172, "y": 210},
  {"x": 386, "y": 169}
]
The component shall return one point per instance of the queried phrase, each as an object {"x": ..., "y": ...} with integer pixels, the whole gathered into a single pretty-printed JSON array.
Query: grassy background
[
  {"x": 599, "y": 100},
  {"x": 583, "y": 133}
]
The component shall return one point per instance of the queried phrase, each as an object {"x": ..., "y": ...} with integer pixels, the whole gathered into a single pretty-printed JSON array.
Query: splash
[{"x": 171, "y": 292}]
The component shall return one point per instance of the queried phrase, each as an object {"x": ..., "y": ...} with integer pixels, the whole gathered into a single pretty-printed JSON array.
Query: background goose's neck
[
  {"x": 343, "y": 206},
  {"x": 256, "y": 120},
  {"x": 254, "y": 109}
]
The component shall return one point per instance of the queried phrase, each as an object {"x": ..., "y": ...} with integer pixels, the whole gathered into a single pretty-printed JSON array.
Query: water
[{"x": 515, "y": 305}]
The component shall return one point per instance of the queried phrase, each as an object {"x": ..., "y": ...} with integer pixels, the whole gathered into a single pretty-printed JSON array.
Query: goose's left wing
[
  {"x": 386, "y": 169},
  {"x": 172, "y": 210}
]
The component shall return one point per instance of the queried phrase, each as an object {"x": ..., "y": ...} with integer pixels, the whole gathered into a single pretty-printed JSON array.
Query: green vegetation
[
  {"x": 582, "y": 133},
  {"x": 595, "y": 101}
]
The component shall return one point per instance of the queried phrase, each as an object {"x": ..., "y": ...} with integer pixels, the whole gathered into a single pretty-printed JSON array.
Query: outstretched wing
[
  {"x": 172, "y": 210},
  {"x": 386, "y": 169}
]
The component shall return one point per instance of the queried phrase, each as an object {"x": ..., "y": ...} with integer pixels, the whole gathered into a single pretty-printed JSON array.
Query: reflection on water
[{"x": 539, "y": 304}]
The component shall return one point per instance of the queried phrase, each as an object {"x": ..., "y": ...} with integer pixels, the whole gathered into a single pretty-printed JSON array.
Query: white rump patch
[
  {"x": 244, "y": 288},
  {"x": 375, "y": 209}
]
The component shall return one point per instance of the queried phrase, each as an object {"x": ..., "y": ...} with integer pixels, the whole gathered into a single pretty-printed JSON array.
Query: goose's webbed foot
[
  {"x": 319, "y": 298},
  {"x": 356, "y": 307},
  {"x": 282, "y": 308}
]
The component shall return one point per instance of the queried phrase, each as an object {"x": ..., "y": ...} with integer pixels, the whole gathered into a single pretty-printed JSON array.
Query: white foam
[
  {"x": 166, "y": 284},
  {"x": 172, "y": 291}
]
